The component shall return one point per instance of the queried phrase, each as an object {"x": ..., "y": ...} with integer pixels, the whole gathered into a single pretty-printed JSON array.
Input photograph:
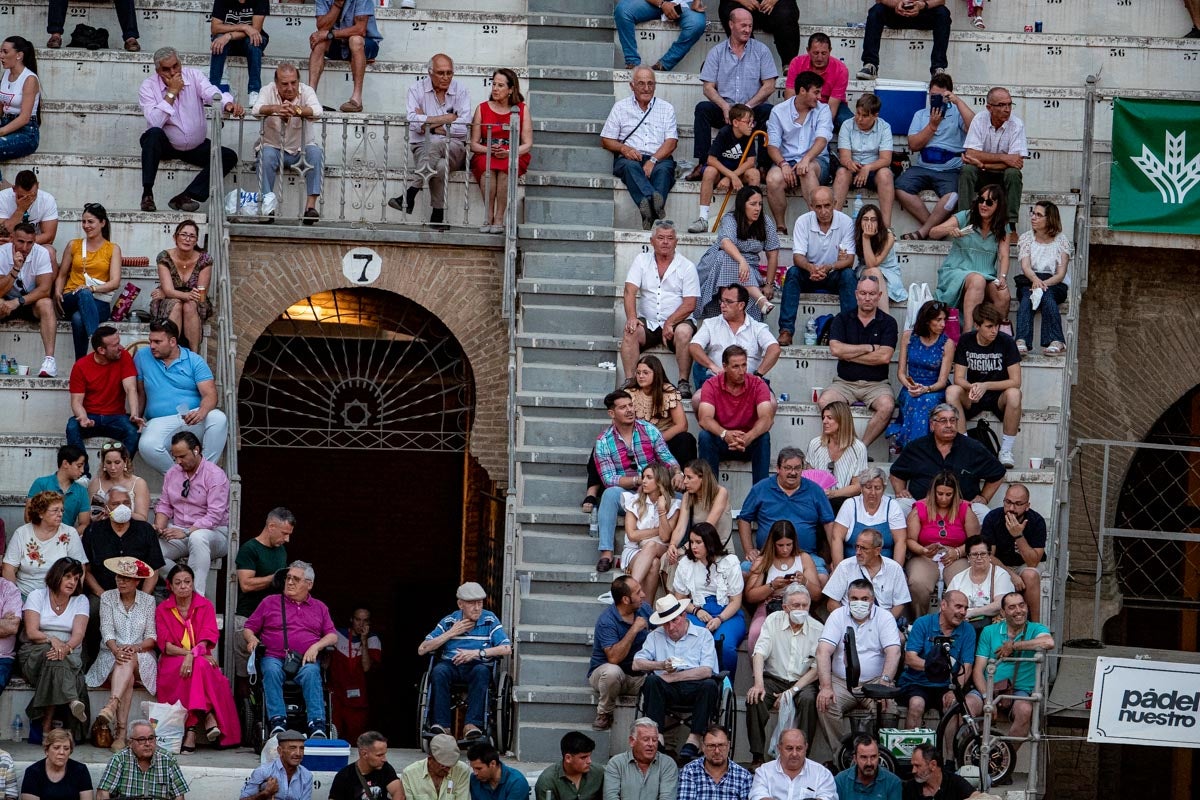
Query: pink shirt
[
  {"x": 10, "y": 601},
  {"x": 183, "y": 122},
  {"x": 307, "y": 623},
  {"x": 207, "y": 503},
  {"x": 836, "y": 76},
  {"x": 736, "y": 412}
]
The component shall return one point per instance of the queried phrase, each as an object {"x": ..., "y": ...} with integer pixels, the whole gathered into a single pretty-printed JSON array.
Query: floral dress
[
  {"x": 924, "y": 367},
  {"x": 125, "y": 626},
  {"x": 161, "y": 309}
]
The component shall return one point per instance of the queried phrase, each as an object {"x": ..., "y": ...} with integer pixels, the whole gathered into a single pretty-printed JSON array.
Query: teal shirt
[
  {"x": 885, "y": 787},
  {"x": 75, "y": 501},
  {"x": 512, "y": 786},
  {"x": 994, "y": 635}
]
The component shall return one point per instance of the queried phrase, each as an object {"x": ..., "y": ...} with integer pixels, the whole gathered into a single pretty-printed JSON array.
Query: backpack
[
  {"x": 86, "y": 36},
  {"x": 983, "y": 433},
  {"x": 823, "y": 324}
]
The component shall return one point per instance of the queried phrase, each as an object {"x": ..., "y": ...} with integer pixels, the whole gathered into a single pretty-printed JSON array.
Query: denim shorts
[
  {"x": 339, "y": 50},
  {"x": 918, "y": 179}
]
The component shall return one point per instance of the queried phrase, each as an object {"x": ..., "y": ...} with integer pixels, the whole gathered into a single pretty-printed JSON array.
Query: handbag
[
  {"x": 292, "y": 661},
  {"x": 102, "y": 735}
]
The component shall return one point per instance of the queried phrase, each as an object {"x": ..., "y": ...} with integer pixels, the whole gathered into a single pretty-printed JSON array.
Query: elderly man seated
[
  {"x": 294, "y": 627},
  {"x": 284, "y": 778},
  {"x": 470, "y": 640},
  {"x": 869, "y": 563},
  {"x": 793, "y": 776},
  {"x": 681, "y": 660},
  {"x": 785, "y": 669},
  {"x": 286, "y": 140},
  {"x": 143, "y": 769},
  {"x": 927, "y": 676},
  {"x": 642, "y": 772},
  {"x": 641, "y": 134}
]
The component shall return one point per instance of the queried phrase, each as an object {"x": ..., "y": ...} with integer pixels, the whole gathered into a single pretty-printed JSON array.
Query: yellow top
[{"x": 96, "y": 264}]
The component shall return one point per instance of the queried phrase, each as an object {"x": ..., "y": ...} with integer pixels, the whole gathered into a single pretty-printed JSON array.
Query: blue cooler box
[
  {"x": 901, "y": 99},
  {"x": 326, "y": 755}
]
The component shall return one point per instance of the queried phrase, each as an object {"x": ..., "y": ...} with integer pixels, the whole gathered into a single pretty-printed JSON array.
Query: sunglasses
[
  {"x": 104, "y": 448},
  {"x": 942, "y": 528},
  {"x": 187, "y": 487},
  {"x": 986, "y": 201}
]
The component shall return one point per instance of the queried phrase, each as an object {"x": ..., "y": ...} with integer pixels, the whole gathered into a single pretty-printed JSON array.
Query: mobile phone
[{"x": 936, "y": 102}]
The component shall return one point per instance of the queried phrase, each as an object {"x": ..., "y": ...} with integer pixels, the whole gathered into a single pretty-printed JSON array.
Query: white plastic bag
[
  {"x": 918, "y": 295},
  {"x": 242, "y": 203},
  {"x": 169, "y": 722},
  {"x": 787, "y": 719}
]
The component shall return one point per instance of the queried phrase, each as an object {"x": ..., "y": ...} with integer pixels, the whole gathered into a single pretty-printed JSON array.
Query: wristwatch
[
  {"x": 171, "y": 95},
  {"x": 482, "y": 654},
  {"x": 653, "y": 160}
]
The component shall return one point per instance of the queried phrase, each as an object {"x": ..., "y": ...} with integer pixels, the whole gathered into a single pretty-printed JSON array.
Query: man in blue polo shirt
[
  {"x": 620, "y": 632},
  {"x": 177, "y": 391},
  {"x": 788, "y": 496},
  {"x": 924, "y": 687},
  {"x": 491, "y": 779},
  {"x": 469, "y": 640}
]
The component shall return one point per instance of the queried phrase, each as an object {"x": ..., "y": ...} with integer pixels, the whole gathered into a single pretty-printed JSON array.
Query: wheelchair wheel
[
  {"x": 252, "y": 727},
  {"x": 1001, "y": 760},
  {"x": 502, "y": 713},
  {"x": 422, "y": 710},
  {"x": 729, "y": 713}
]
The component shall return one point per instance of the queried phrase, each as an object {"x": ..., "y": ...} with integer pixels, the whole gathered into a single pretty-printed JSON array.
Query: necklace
[{"x": 58, "y": 607}]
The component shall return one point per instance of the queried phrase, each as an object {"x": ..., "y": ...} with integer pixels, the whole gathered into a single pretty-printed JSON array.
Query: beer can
[
  {"x": 1029, "y": 29},
  {"x": 783, "y": 397},
  {"x": 1087, "y": 699},
  {"x": 1037, "y": 26}
]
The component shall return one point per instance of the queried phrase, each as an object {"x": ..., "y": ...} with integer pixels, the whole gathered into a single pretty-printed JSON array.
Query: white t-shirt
[
  {"x": 699, "y": 582},
  {"x": 889, "y": 515},
  {"x": 44, "y": 207},
  {"x": 33, "y": 558},
  {"x": 871, "y": 637},
  {"x": 982, "y": 594},
  {"x": 51, "y": 621},
  {"x": 648, "y": 521},
  {"x": 659, "y": 298},
  {"x": 891, "y": 586},
  {"x": 36, "y": 263}
]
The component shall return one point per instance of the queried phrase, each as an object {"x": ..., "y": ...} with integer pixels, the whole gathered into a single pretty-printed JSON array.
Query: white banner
[{"x": 1154, "y": 703}]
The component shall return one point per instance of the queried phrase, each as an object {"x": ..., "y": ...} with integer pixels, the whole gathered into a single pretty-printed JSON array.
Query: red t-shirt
[
  {"x": 836, "y": 75},
  {"x": 100, "y": 385},
  {"x": 736, "y": 412}
]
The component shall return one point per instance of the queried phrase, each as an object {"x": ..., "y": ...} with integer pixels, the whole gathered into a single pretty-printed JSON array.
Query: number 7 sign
[{"x": 362, "y": 266}]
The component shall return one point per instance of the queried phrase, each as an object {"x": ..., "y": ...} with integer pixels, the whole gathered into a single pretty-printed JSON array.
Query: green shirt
[
  {"x": 560, "y": 787},
  {"x": 75, "y": 500},
  {"x": 994, "y": 636},
  {"x": 419, "y": 786},
  {"x": 164, "y": 778},
  {"x": 254, "y": 555}
]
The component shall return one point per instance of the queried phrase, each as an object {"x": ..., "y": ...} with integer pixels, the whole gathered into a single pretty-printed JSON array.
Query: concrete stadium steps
[
  {"x": 26, "y": 457},
  {"x": 110, "y": 76},
  {"x": 22, "y": 339},
  {"x": 496, "y": 34},
  {"x": 1046, "y": 59}
]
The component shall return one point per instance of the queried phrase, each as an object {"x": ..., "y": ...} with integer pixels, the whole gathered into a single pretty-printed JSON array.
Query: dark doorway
[{"x": 355, "y": 407}]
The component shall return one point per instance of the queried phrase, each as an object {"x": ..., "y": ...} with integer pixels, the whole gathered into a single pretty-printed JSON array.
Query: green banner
[{"x": 1155, "y": 184}]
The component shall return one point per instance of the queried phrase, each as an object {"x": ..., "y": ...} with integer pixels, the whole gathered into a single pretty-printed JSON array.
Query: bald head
[
  {"x": 822, "y": 196},
  {"x": 441, "y": 72}
]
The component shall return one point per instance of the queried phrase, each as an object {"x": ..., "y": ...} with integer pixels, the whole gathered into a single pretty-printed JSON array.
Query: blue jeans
[
  {"x": 476, "y": 675},
  {"x": 1051, "y": 321},
  {"x": 309, "y": 679},
  {"x": 714, "y": 451},
  {"x": 86, "y": 313},
  {"x": 630, "y": 12},
  {"x": 631, "y": 173},
  {"x": 114, "y": 426},
  {"x": 733, "y": 630},
  {"x": 239, "y": 47},
  {"x": 270, "y": 159},
  {"x": 20, "y": 142},
  {"x": 840, "y": 282},
  {"x": 6, "y": 666},
  {"x": 606, "y": 516}
]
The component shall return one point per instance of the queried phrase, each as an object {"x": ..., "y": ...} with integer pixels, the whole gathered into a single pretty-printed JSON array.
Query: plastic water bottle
[
  {"x": 858, "y": 204},
  {"x": 594, "y": 525},
  {"x": 3, "y": 363},
  {"x": 18, "y": 728},
  {"x": 810, "y": 332}
]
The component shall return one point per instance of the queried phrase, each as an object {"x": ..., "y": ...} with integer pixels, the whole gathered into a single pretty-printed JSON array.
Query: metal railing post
[{"x": 508, "y": 309}]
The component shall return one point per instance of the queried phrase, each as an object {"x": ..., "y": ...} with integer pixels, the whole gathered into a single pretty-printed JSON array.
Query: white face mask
[
  {"x": 859, "y": 609},
  {"x": 798, "y": 617},
  {"x": 121, "y": 514}
]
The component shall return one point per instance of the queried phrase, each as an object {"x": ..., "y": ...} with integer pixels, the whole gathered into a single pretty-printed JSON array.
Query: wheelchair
[
  {"x": 253, "y": 708},
  {"x": 497, "y": 709},
  {"x": 724, "y": 713}
]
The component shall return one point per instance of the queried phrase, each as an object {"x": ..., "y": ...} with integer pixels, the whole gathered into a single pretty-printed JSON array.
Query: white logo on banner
[{"x": 1175, "y": 178}]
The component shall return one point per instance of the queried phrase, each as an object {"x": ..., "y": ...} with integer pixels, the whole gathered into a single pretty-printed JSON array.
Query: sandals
[
  {"x": 108, "y": 713},
  {"x": 914, "y": 236},
  {"x": 764, "y": 305},
  {"x": 1055, "y": 349},
  {"x": 977, "y": 21},
  {"x": 1022, "y": 348},
  {"x": 604, "y": 564},
  {"x": 589, "y": 503}
]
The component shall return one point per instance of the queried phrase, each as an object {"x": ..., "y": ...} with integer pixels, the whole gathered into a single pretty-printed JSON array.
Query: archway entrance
[
  {"x": 1160, "y": 579},
  {"x": 355, "y": 409}
]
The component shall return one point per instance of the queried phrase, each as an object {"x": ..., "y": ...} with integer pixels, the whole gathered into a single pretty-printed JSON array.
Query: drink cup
[
  {"x": 1035, "y": 463},
  {"x": 22, "y": 369}
]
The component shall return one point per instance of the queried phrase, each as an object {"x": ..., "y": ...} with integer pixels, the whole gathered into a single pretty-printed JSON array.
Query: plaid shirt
[
  {"x": 696, "y": 784},
  {"x": 614, "y": 460},
  {"x": 163, "y": 781}
]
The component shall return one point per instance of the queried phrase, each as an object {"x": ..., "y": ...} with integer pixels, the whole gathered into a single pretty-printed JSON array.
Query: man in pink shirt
[
  {"x": 833, "y": 70},
  {"x": 192, "y": 515},
  {"x": 173, "y": 101}
]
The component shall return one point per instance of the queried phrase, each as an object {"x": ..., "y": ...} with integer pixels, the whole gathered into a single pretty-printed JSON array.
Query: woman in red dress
[{"x": 492, "y": 175}]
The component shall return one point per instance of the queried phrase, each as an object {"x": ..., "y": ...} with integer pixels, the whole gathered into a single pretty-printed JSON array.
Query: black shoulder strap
[
  {"x": 640, "y": 121},
  {"x": 283, "y": 611}
]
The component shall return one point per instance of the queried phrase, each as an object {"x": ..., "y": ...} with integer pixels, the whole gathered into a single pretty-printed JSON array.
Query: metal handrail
[
  {"x": 509, "y": 312},
  {"x": 1038, "y": 698}
]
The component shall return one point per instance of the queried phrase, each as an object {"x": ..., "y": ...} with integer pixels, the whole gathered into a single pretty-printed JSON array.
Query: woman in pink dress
[
  {"x": 187, "y": 670},
  {"x": 492, "y": 176}
]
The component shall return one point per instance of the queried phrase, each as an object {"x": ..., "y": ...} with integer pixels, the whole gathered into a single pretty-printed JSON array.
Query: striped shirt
[
  {"x": 646, "y": 138},
  {"x": 488, "y": 632},
  {"x": 1008, "y": 139},
  {"x": 8, "y": 777},
  {"x": 696, "y": 784},
  {"x": 616, "y": 460},
  {"x": 739, "y": 79}
]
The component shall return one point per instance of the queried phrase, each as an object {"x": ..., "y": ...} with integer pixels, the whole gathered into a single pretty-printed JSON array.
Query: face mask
[
  {"x": 121, "y": 514},
  {"x": 859, "y": 609},
  {"x": 798, "y": 617}
]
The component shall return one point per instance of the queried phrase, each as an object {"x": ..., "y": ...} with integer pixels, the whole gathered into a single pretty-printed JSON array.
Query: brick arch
[{"x": 458, "y": 285}]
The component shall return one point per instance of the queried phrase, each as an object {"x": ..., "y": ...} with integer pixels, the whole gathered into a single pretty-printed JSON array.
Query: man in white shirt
[
  {"x": 869, "y": 564},
  {"x": 26, "y": 282},
  {"x": 732, "y": 327},
  {"x": 24, "y": 201},
  {"x": 793, "y": 776},
  {"x": 822, "y": 261},
  {"x": 286, "y": 138},
  {"x": 785, "y": 669},
  {"x": 439, "y": 118},
  {"x": 798, "y": 132},
  {"x": 661, "y": 289},
  {"x": 877, "y": 640},
  {"x": 996, "y": 150},
  {"x": 641, "y": 134}
]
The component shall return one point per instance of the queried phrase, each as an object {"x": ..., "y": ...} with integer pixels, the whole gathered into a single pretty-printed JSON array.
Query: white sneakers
[
  {"x": 251, "y": 100},
  {"x": 1007, "y": 460},
  {"x": 49, "y": 368},
  {"x": 408, "y": 4}
]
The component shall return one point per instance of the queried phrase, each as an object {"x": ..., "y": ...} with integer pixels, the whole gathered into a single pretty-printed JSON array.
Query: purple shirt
[
  {"x": 307, "y": 623},
  {"x": 207, "y": 503},
  {"x": 10, "y": 601},
  {"x": 183, "y": 122}
]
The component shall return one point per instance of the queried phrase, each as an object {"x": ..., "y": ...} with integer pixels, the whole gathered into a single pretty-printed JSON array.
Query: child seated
[
  {"x": 865, "y": 157},
  {"x": 723, "y": 170}
]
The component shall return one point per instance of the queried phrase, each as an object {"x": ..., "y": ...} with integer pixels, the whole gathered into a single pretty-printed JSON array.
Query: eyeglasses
[
  {"x": 726, "y": 302},
  {"x": 1036, "y": 214},
  {"x": 986, "y": 201},
  {"x": 141, "y": 739},
  {"x": 664, "y": 223},
  {"x": 187, "y": 236},
  {"x": 865, "y": 548},
  {"x": 945, "y": 420},
  {"x": 716, "y": 745},
  {"x": 92, "y": 208},
  {"x": 977, "y": 555},
  {"x": 294, "y": 578},
  {"x": 786, "y": 468},
  {"x": 829, "y": 467},
  {"x": 941, "y": 528},
  {"x": 644, "y": 84}
]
